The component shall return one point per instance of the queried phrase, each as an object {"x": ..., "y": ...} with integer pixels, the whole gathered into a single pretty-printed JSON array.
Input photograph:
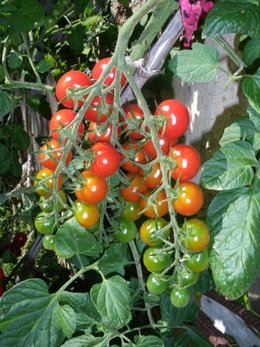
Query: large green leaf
[
  {"x": 242, "y": 128},
  {"x": 5, "y": 159},
  {"x": 226, "y": 18},
  {"x": 197, "y": 65},
  {"x": 234, "y": 257},
  {"x": 251, "y": 51},
  {"x": 148, "y": 341},
  {"x": 27, "y": 316},
  {"x": 192, "y": 337},
  {"x": 6, "y": 103},
  {"x": 251, "y": 89},
  {"x": 112, "y": 300},
  {"x": 66, "y": 319},
  {"x": 114, "y": 259},
  {"x": 230, "y": 167},
  {"x": 73, "y": 239},
  {"x": 87, "y": 340},
  {"x": 254, "y": 117}
]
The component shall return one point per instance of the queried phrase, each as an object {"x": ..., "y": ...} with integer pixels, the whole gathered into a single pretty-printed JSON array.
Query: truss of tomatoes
[{"x": 134, "y": 156}]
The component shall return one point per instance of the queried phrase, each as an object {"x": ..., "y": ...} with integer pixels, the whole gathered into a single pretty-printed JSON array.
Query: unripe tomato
[
  {"x": 197, "y": 262},
  {"x": 136, "y": 187},
  {"x": 99, "y": 110},
  {"x": 186, "y": 278},
  {"x": 48, "y": 242},
  {"x": 156, "y": 285},
  {"x": 44, "y": 182},
  {"x": 151, "y": 231},
  {"x": 61, "y": 119},
  {"x": 176, "y": 115},
  {"x": 106, "y": 159},
  {"x": 44, "y": 223},
  {"x": 100, "y": 66},
  {"x": 159, "y": 207},
  {"x": 132, "y": 211},
  {"x": 187, "y": 160},
  {"x": 195, "y": 235},
  {"x": 190, "y": 199},
  {"x": 126, "y": 231},
  {"x": 94, "y": 190},
  {"x": 86, "y": 214},
  {"x": 134, "y": 118},
  {"x": 51, "y": 154},
  {"x": 47, "y": 204},
  {"x": 156, "y": 260},
  {"x": 179, "y": 297},
  {"x": 74, "y": 80}
]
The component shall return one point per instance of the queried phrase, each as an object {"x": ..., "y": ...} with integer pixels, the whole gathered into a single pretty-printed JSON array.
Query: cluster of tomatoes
[{"x": 126, "y": 148}]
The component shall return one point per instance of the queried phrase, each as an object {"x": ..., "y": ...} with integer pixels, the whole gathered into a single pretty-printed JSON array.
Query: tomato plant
[
  {"x": 99, "y": 68},
  {"x": 134, "y": 116},
  {"x": 132, "y": 211},
  {"x": 197, "y": 262},
  {"x": 180, "y": 297},
  {"x": 190, "y": 199},
  {"x": 186, "y": 278},
  {"x": 86, "y": 214},
  {"x": 159, "y": 206},
  {"x": 195, "y": 235},
  {"x": 48, "y": 242},
  {"x": 156, "y": 284},
  {"x": 155, "y": 260},
  {"x": 153, "y": 231},
  {"x": 51, "y": 153},
  {"x": 44, "y": 182},
  {"x": 154, "y": 177},
  {"x": 48, "y": 204},
  {"x": 126, "y": 231},
  {"x": 99, "y": 109},
  {"x": 101, "y": 133},
  {"x": 44, "y": 223},
  {"x": 19, "y": 240},
  {"x": 132, "y": 192},
  {"x": 137, "y": 156},
  {"x": 164, "y": 142}
]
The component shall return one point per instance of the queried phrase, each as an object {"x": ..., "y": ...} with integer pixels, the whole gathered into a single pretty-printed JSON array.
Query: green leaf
[
  {"x": 15, "y": 168},
  {"x": 251, "y": 51},
  {"x": 14, "y": 60},
  {"x": 192, "y": 337},
  {"x": 230, "y": 167},
  {"x": 254, "y": 117},
  {"x": 114, "y": 259},
  {"x": 5, "y": 159},
  {"x": 6, "y": 103},
  {"x": 226, "y": 18},
  {"x": 148, "y": 341},
  {"x": 43, "y": 66},
  {"x": 66, "y": 319},
  {"x": 27, "y": 316},
  {"x": 241, "y": 129},
  {"x": 76, "y": 39},
  {"x": 73, "y": 239},
  {"x": 85, "y": 311},
  {"x": 87, "y": 340},
  {"x": 251, "y": 89},
  {"x": 21, "y": 140},
  {"x": 197, "y": 65},
  {"x": 84, "y": 6},
  {"x": 234, "y": 257},
  {"x": 112, "y": 300}
]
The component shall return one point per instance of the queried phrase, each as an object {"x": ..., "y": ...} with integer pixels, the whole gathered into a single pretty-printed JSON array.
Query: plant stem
[
  {"x": 30, "y": 58},
  {"x": 230, "y": 52}
]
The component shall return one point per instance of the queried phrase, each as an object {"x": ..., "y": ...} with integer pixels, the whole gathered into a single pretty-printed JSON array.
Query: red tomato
[
  {"x": 100, "y": 133},
  {"x": 19, "y": 239},
  {"x": 51, "y": 154},
  {"x": 164, "y": 142},
  {"x": 136, "y": 186},
  {"x": 187, "y": 160},
  {"x": 135, "y": 155},
  {"x": 177, "y": 116},
  {"x": 94, "y": 190},
  {"x": 2, "y": 275},
  {"x": 190, "y": 199},
  {"x": 2, "y": 289},
  {"x": 154, "y": 178},
  {"x": 106, "y": 159},
  {"x": 135, "y": 116},
  {"x": 61, "y": 119},
  {"x": 159, "y": 207},
  {"x": 99, "y": 111},
  {"x": 73, "y": 79},
  {"x": 100, "y": 66},
  {"x": 45, "y": 187}
]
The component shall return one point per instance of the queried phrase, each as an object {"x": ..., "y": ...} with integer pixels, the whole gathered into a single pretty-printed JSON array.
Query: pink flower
[{"x": 191, "y": 12}]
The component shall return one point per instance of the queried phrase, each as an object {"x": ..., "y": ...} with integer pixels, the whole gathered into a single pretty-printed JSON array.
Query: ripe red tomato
[
  {"x": 176, "y": 115},
  {"x": 126, "y": 231},
  {"x": 136, "y": 186},
  {"x": 153, "y": 231},
  {"x": 197, "y": 262},
  {"x": 94, "y": 189},
  {"x": 132, "y": 211},
  {"x": 100, "y": 66},
  {"x": 44, "y": 182},
  {"x": 73, "y": 79},
  {"x": 195, "y": 235},
  {"x": 187, "y": 160},
  {"x": 160, "y": 207},
  {"x": 2, "y": 275},
  {"x": 106, "y": 159},
  {"x": 135, "y": 155},
  {"x": 165, "y": 144},
  {"x": 179, "y": 297},
  {"x": 154, "y": 178},
  {"x": 156, "y": 284},
  {"x": 61, "y": 119},
  {"x": 86, "y": 214},
  {"x": 101, "y": 133},
  {"x": 190, "y": 199},
  {"x": 19, "y": 239},
  {"x": 156, "y": 260},
  {"x": 98, "y": 111},
  {"x": 134, "y": 117},
  {"x": 51, "y": 154}
]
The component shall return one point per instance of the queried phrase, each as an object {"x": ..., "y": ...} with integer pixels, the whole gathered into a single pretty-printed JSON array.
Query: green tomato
[
  {"x": 44, "y": 223},
  {"x": 186, "y": 278},
  {"x": 151, "y": 231},
  {"x": 132, "y": 211},
  {"x": 197, "y": 262},
  {"x": 195, "y": 235},
  {"x": 126, "y": 231},
  {"x": 155, "y": 260},
  {"x": 48, "y": 242},
  {"x": 47, "y": 204},
  {"x": 179, "y": 297},
  {"x": 156, "y": 285}
]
